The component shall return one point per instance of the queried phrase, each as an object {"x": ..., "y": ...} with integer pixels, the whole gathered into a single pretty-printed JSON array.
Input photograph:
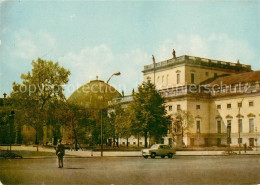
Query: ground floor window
[
  {"x": 251, "y": 125},
  {"x": 240, "y": 140},
  {"x": 218, "y": 126},
  {"x": 198, "y": 126},
  {"x": 170, "y": 141},
  {"x": 192, "y": 141},
  {"x": 206, "y": 140},
  {"x": 162, "y": 140},
  {"x": 218, "y": 141},
  {"x": 251, "y": 142},
  {"x": 240, "y": 126},
  {"x": 229, "y": 128}
]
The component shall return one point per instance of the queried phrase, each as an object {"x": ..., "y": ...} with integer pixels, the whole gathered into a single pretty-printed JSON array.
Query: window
[
  {"x": 148, "y": 79},
  {"x": 229, "y": 105},
  {"x": 198, "y": 126},
  {"x": 218, "y": 141},
  {"x": 218, "y": 126},
  {"x": 158, "y": 79},
  {"x": 240, "y": 128},
  {"x": 161, "y": 147},
  {"x": 197, "y": 107},
  {"x": 167, "y": 79},
  {"x": 192, "y": 78},
  {"x": 170, "y": 108},
  {"x": 207, "y": 73},
  {"x": 239, "y": 104},
  {"x": 141, "y": 143},
  {"x": 123, "y": 143},
  {"x": 218, "y": 106},
  {"x": 251, "y": 142},
  {"x": 206, "y": 140},
  {"x": 178, "y": 107},
  {"x": 251, "y": 125},
  {"x": 228, "y": 128},
  {"x": 240, "y": 140},
  {"x": 134, "y": 143},
  {"x": 251, "y": 104},
  {"x": 178, "y": 78}
]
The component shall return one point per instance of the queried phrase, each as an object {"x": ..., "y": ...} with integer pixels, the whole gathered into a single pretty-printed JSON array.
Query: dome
[{"x": 91, "y": 95}]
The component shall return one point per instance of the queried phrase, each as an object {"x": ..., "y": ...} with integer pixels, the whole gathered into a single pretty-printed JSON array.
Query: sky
[{"x": 98, "y": 38}]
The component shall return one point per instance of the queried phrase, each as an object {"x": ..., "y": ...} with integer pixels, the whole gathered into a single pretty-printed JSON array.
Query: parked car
[
  {"x": 10, "y": 155},
  {"x": 159, "y": 150}
]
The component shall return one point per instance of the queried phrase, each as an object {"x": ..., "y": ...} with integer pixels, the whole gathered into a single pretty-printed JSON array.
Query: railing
[{"x": 201, "y": 61}]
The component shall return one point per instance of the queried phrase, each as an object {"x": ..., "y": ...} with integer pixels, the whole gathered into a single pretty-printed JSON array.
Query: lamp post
[
  {"x": 11, "y": 128},
  {"x": 239, "y": 130},
  {"x": 101, "y": 112}
]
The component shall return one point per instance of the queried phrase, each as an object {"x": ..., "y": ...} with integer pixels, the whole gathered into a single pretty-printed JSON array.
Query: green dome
[{"x": 91, "y": 94}]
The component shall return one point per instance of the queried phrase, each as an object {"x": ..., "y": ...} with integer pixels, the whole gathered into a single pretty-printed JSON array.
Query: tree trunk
[
  {"x": 114, "y": 141},
  {"x": 138, "y": 138},
  {"x": 145, "y": 139},
  {"x": 117, "y": 142},
  {"x": 36, "y": 138}
]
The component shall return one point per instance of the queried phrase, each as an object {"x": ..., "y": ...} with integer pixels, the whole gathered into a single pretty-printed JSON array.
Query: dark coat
[{"x": 60, "y": 150}]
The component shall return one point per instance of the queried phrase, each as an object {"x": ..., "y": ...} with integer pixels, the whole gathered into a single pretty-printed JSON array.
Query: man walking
[{"x": 60, "y": 152}]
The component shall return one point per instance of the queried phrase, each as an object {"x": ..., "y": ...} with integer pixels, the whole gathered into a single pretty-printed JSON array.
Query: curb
[{"x": 70, "y": 157}]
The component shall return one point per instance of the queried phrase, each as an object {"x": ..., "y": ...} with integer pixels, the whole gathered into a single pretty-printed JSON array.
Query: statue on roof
[
  {"x": 153, "y": 59},
  {"x": 173, "y": 54}
]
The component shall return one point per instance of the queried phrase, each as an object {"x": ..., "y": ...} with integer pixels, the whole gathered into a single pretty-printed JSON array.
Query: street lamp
[
  {"x": 239, "y": 118},
  {"x": 4, "y": 105},
  {"x": 101, "y": 113},
  {"x": 11, "y": 128}
]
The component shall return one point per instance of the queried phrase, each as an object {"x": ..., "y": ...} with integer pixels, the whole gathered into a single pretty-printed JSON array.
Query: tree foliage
[
  {"x": 182, "y": 122},
  {"x": 39, "y": 86},
  {"x": 148, "y": 113}
]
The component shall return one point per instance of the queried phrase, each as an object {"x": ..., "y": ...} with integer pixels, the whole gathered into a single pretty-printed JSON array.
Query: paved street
[{"x": 133, "y": 170}]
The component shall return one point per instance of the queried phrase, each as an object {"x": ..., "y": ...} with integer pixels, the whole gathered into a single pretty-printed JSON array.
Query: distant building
[{"x": 220, "y": 96}]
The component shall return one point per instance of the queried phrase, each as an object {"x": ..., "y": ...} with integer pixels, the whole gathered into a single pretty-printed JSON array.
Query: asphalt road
[{"x": 134, "y": 170}]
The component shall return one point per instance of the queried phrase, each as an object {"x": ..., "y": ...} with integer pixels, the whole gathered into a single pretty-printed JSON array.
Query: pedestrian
[
  {"x": 245, "y": 147},
  {"x": 60, "y": 152}
]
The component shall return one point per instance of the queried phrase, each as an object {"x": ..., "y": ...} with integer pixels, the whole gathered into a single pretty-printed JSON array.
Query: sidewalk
[{"x": 90, "y": 153}]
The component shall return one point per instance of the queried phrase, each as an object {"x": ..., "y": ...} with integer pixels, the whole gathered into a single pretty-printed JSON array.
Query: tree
[
  {"x": 148, "y": 113},
  {"x": 120, "y": 123},
  {"x": 40, "y": 85},
  {"x": 182, "y": 122},
  {"x": 78, "y": 121}
]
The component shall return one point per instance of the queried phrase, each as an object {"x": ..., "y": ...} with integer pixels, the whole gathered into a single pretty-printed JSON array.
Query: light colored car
[{"x": 159, "y": 150}]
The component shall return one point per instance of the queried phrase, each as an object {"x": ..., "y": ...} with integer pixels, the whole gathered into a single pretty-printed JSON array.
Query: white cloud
[
  {"x": 29, "y": 45},
  {"x": 216, "y": 46},
  {"x": 101, "y": 61}
]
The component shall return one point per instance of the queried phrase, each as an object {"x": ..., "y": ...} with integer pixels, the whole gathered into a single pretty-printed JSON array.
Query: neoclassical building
[{"x": 221, "y": 96}]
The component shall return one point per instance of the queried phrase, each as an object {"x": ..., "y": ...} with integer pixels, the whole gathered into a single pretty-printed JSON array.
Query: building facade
[{"x": 222, "y": 97}]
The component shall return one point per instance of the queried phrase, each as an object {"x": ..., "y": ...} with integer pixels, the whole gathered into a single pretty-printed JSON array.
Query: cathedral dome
[{"x": 94, "y": 95}]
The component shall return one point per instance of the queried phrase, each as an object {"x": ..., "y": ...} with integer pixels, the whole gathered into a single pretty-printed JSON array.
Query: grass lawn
[{"x": 26, "y": 154}]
